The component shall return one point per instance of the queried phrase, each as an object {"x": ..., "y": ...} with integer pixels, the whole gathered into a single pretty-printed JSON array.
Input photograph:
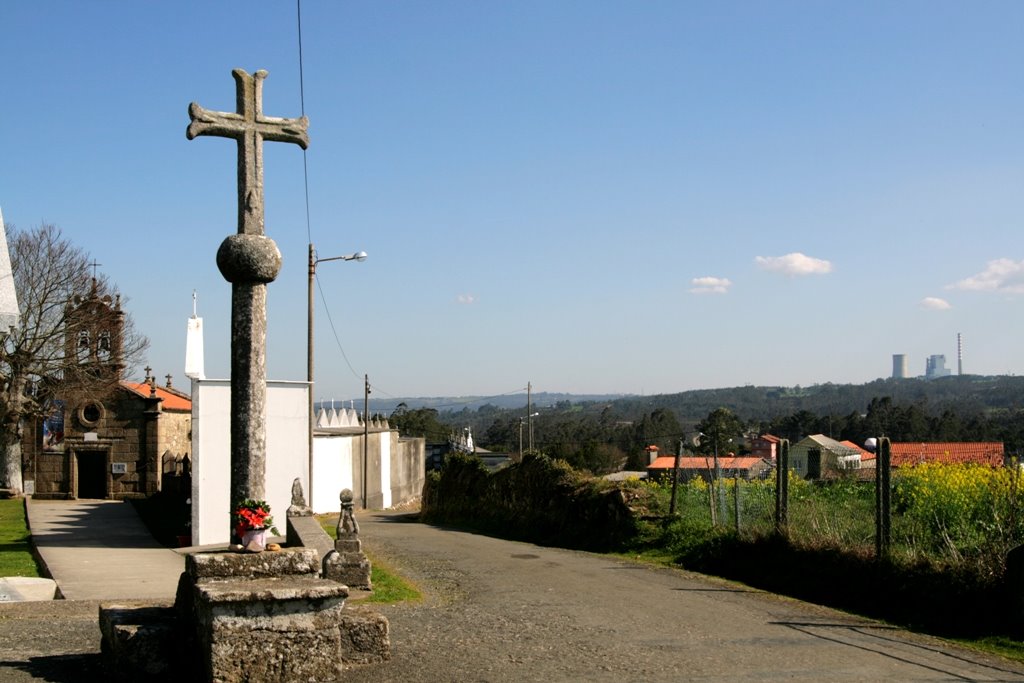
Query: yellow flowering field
[
  {"x": 957, "y": 511},
  {"x": 947, "y": 513}
]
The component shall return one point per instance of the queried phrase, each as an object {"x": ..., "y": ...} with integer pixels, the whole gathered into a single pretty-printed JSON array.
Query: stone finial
[
  {"x": 348, "y": 527},
  {"x": 348, "y": 565}
]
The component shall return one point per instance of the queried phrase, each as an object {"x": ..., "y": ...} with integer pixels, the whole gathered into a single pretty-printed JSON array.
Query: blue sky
[{"x": 589, "y": 196}]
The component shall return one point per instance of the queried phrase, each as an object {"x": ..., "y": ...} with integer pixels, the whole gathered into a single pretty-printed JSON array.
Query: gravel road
[{"x": 504, "y": 611}]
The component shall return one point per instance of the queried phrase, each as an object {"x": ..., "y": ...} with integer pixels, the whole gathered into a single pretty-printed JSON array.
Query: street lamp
[
  {"x": 313, "y": 260},
  {"x": 521, "y": 420}
]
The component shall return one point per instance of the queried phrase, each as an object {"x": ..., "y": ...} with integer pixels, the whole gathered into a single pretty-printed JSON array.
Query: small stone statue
[{"x": 298, "y": 508}]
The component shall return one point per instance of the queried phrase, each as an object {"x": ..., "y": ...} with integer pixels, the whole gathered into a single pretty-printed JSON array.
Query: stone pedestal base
[
  {"x": 348, "y": 564},
  {"x": 139, "y": 641},
  {"x": 276, "y": 629},
  {"x": 351, "y": 569},
  {"x": 252, "y": 618}
]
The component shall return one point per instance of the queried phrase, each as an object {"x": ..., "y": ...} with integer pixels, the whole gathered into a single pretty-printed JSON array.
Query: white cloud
[
  {"x": 794, "y": 264},
  {"x": 466, "y": 299},
  {"x": 1001, "y": 275},
  {"x": 933, "y": 303},
  {"x": 710, "y": 285}
]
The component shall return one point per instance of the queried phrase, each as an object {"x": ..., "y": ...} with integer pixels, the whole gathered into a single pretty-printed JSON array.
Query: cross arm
[
  {"x": 206, "y": 122},
  {"x": 285, "y": 130}
]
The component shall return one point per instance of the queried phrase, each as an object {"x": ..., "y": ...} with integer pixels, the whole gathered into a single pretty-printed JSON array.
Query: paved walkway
[{"x": 101, "y": 550}]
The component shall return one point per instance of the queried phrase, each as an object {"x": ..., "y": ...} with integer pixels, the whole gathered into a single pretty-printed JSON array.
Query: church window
[
  {"x": 103, "y": 346},
  {"x": 90, "y": 414}
]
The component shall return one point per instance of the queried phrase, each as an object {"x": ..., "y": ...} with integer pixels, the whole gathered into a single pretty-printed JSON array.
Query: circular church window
[{"x": 90, "y": 414}]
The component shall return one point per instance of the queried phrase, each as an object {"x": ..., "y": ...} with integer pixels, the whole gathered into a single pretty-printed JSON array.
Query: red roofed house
[
  {"x": 765, "y": 446},
  {"x": 908, "y": 454},
  {"x": 107, "y": 438},
  {"x": 747, "y": 467}
]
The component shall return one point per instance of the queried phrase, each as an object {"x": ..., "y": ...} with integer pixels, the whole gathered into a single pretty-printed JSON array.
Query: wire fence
[{"x": 951, "y": 514}]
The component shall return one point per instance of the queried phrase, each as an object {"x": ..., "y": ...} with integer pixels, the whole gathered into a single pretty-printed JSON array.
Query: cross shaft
[{"x": 248, "y": 260}]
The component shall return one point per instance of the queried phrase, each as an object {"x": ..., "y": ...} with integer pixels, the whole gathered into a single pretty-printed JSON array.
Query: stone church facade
[{"x": 107, "y": 437}]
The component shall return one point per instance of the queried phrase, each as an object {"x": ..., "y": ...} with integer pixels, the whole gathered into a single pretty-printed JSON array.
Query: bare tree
[{"x": 35, "y": 363}]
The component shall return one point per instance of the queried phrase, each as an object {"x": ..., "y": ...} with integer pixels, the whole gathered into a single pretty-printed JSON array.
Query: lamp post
[
  {"x": 521, "y": 420},
  {"x": 313, "y": 261}
]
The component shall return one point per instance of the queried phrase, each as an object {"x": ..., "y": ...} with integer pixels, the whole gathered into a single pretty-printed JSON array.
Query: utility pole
[
  {"x": 311, "y": 272},
  {"x": 529, "y": 414},
  {"x": 366, "y": 435},
  {"x": 675, "y": 479}
]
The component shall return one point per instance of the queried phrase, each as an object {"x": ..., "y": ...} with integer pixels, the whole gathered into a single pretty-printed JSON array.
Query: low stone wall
[{"x": 539, "y": 500}]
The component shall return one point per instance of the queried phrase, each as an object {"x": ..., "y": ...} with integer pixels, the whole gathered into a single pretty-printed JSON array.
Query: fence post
[
  {"x": 675, "y": 480},
  {"x": 736, "y": 500},
  {"x": 883, "y": 497},
  {"x": 782, "y": 489}
]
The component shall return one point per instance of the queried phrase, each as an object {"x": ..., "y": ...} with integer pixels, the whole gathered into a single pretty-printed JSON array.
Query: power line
[
  {"x": 302, "y": 107},
  {"x": 334, "y": 331}
]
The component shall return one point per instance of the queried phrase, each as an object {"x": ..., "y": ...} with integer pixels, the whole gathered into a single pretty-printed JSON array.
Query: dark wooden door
[
  {"x": 814, "y": 463},
  {"x": 92, "y": 474}
]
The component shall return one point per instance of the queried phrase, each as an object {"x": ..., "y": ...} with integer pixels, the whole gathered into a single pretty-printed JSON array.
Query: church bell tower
[{"x": 94, "y": 334}]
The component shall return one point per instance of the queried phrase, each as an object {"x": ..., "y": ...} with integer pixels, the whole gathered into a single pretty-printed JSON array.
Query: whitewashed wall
[
  {"x": 385, "y": 468},
  {"x": 332, "y": 471},
  {"x": 287, "y": 453}
]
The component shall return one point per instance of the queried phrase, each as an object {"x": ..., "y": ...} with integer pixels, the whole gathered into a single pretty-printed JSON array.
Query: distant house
[
  {"x": 819, "y": 457},
  {"x": 867, "y": 458},
  {"x": 765, "y": 446},
  {"x": 690, "y": 467},
  {"x": 908, "y": 454}
]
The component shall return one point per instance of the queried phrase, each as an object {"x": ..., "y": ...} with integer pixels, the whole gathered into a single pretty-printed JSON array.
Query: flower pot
[{"x": 254, "y": 539}]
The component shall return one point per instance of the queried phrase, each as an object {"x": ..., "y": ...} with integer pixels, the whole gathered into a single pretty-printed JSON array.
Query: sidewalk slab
[
  {"x": 101, "y": 550},
  {"x": 25, "y": 589}
]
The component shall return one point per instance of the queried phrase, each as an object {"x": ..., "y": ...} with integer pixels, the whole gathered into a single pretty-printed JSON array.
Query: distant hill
[
  {"x": 967, "y": 395},
  {"x": 457, "y": 404}
]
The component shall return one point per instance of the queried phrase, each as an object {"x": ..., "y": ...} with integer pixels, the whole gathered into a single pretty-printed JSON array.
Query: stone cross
[{"x": 248, "y": 260}]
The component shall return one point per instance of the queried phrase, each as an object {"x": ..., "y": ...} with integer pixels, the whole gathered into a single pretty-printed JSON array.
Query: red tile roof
[
  {"x": 915, "y": 453},
  {"x": 864, "y": 455},
  {"x": 770, "y": 438},
  {"x": 667, "y": 462},
  {"x": 172, "y": 400}
]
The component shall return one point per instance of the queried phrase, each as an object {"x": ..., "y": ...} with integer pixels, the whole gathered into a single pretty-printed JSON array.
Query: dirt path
[{"x": 502, "y": 611}]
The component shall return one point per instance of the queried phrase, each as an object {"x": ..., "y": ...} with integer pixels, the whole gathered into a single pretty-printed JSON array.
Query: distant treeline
[{"x": 611, "y": 434}]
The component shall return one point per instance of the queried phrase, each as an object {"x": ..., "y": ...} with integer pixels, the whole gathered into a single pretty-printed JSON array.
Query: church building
[{"x": 107, "y": 437}]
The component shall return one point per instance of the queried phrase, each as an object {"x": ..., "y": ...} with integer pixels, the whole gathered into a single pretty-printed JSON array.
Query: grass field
[
  {"x": 15, "y": 554},
  {"x": 388, "y": 586}
]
